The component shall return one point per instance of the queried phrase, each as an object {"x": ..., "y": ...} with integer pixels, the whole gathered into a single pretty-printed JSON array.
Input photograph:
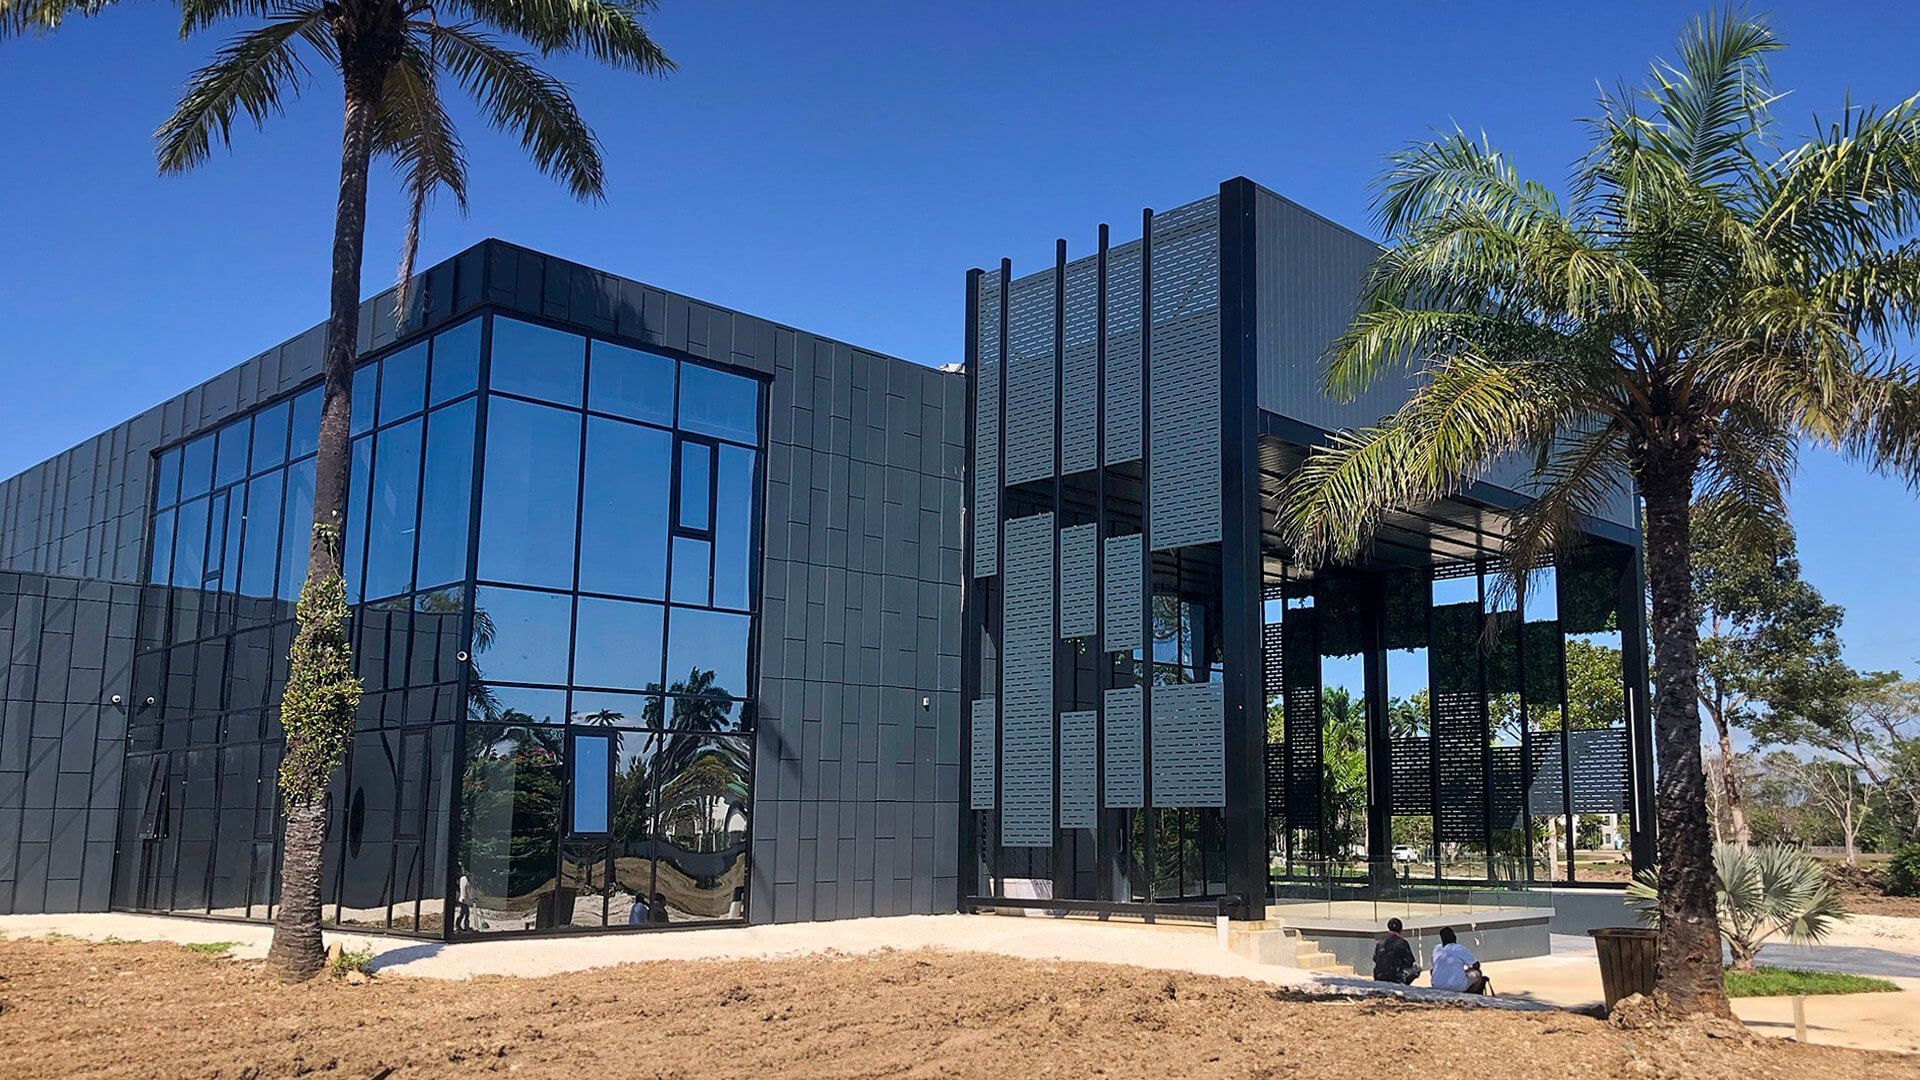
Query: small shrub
[
  {"x": 353, "y": 960},
  {"x": 1902, "y": 876},
  {"x": 210, "y": 948},
  {"x": 1760, "y": 892}
]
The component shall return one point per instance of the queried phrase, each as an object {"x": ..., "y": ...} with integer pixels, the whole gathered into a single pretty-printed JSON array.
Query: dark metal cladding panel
[
  {"x": 1125, "y": 749},
  {"x": 1184, "y": 378},
  {"x": 1189, "y": 737},
  {"x": 1123, "y": 353},
  {"x": 1080, "y": 374},
  {"x": 1123, "y": 602},
  {"x": 1026, "y": 685},
  {"x": 986, "y": 433},
  {"x": 1600, "y": 770},
  {"x": 980, "y": 791},
  {"x": 1030, "y": 383},
  {"x": 1079, "y": 768},
  {"x": 1079, "y": 602}
]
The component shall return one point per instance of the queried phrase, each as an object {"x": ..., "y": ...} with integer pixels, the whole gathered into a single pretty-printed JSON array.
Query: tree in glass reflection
[{"x": 511, "y": 797}]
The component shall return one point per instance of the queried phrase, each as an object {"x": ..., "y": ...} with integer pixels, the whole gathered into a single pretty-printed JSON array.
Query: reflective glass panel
[
  {"x": 196, "y": 467},
  {"x": 707, "y": 649},
  {"x": 447, "y": 499},
  {"x": 617, "y": 643},
  {"x": 230, "y": 453},
  {"x": 699, "y": 708},
  {"x": 517, "y": 704},
  {"x": 608, "y": 708},
  {"x": 269, "y": 437},
  {"x": 536, "y": 362},
  {"x": 631, "y": 383},
  {"x": 304, "y": 430},
  {"x": 623, "y": 542},
  {"x": 703, "y": 822},
  {"x": 160, "y": 571},
  {"x": 359, "y": 492},
  {"x": 261, "y": 549},
  {"x": 456, "y": 361},
  {"x": 403, "y": 383},
  {"x": 396, "y": 500},
  {"x": 190, "y": 543},
  {"x": 718, "y": 403},
  {"x": 696, "y": 485},
  {"x": 166, "y": 484},
  {"x": 296, "y": 529},
  {"x": 692, "y": 571},
  {"x": 525, "y": 638},
  {"x": 527, "y": 510},
  {"x": 510, "y": 795},
  {"x": 733, "y": 529},
  {"x": 592, "y": 783},
  {"x": 632, "y": 900},
  {"x": 366, "y": 383}
]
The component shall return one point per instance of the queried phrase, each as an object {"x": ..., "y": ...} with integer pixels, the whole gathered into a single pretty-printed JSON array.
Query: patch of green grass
[
  {"x": 210, "y": 948},
  {"x": 353, "y": 960},
  {"x": 1779, "y": 982}
]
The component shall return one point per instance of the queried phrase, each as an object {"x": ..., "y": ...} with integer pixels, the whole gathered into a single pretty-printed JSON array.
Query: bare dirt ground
[
  {"x": 70, "y": 1007},
  {"x": 1860, "y": 888}
]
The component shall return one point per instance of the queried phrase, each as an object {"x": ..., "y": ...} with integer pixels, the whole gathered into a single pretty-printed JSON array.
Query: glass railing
[{"x": 1374, "y": 890}]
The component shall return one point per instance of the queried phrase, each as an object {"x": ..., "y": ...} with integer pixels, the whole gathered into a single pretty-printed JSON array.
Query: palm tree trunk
[
  {"x": 1688, "y": 969},
  {"x": 296, "y": 953}
]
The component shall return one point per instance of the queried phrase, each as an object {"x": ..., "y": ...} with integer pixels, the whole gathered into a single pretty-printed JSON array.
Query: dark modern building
[{"x": 667, "y": 614}]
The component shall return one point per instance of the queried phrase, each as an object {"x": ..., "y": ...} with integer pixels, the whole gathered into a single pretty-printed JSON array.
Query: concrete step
[{"x": 1312, "y": 959}]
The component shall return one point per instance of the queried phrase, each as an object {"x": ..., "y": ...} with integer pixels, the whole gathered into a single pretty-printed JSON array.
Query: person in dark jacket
[{"x": 1393, "y": 959}]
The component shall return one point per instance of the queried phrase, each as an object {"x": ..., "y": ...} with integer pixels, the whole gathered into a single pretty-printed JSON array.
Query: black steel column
[
  {"x": 1240, "y": 595},
  {"x": 1633, "y": 662},
  {"x": 1064, "y": 862},
  {"x": 1145, "y": 674},
  {"x": 1104, "y": 848},
  {"x": 971, "y": 617},
  {"x": 1379, "y": 732}
]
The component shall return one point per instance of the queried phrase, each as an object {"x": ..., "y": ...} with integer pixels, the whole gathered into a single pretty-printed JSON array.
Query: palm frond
[
  {"x": 1715, "y": 101},
  {"x": 413, "y": 127},
  {"x": 517, "y": 96},
  {"x": 610, "y": 31},
  {"x": 254, "y": 73},
  {"x": 19, "y": 17},
  {"x": 1586, "y": 471}
]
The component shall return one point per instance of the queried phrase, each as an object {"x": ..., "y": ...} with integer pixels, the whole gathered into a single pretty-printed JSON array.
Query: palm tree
[
  {"x": 1761, "y": 892},
  {"x": 392, "y": 57},
  {"x": 1699, "y": 304}
]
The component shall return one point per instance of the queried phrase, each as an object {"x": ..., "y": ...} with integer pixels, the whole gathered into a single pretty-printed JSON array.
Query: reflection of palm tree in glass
[
  {"x": 512, "y": 781},
  {"x": 698, "y": 704},
  {"x": 603, "y": 717},
  {"x": 481, "y": 701},
  {"x": 698, "y": 801}
]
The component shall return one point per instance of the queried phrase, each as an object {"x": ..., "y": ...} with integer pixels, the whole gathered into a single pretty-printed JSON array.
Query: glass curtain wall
[
  {"x": 231, "y": 516},
  {"x": 605, "y": 772}
]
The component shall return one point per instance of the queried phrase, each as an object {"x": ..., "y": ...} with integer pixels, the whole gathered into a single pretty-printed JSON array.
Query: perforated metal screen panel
[
  {"x": 1184, "y": 378},
  {"x": 1030, "y": 383},
  {"x": 1189, "y": 739},
  {"x": 1079, "y": 587},
  {"x": 1123, "y": 602},
  {"x": 1600, "y": 767},
  {"x": 1123, "y": 389},
  {"x": 1410, "y": 767},
  {"x": 1300, "y": 717},
  {"x": 1459, "y": 726},
  {"x": 1080, "y": 382},
  {"x": 980, "y": 788},
  {"x": 1125, "y": 749},
  {"x": 1079, "y": 768},
  {"x": 986, "y": 433},
  {"x": 1026, "y": 685},
  {"x": 1506, "y": 786},
  {"x": 1546, "y": 786}
]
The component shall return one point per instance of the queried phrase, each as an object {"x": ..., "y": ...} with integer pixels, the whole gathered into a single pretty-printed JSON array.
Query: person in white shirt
[{"x": 1454, "y": 968}]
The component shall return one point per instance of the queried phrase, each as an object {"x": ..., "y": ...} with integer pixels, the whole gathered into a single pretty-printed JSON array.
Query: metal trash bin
[{"x": 1627, "y": 955}]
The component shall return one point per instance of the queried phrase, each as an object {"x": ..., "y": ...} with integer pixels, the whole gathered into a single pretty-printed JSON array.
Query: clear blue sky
[{"x": 839, "y": 166}]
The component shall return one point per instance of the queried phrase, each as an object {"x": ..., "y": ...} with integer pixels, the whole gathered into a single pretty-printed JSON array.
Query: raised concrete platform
[{"x": 1348, "y": 930}]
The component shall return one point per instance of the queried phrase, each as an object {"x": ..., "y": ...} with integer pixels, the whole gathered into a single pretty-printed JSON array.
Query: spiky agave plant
[
  {"x": 1775, "y": 890},
  {"x": 1700, "y": 303},
  {"x": 392, "y": 59}
]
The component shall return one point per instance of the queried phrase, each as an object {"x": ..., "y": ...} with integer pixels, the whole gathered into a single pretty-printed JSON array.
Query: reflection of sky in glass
[
  {"x": 590, "y": 784},
  {"x": 708, "y": 641}
]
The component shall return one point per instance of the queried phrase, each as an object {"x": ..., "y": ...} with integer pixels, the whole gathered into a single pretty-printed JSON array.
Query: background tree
[
  {"x": 1770, "y": 641},
  {"x": 392, "y": 58},
  {"x": 1699, "y": 303},
  {"x": 1877, "y": 732},
  {"x": 1835, "y": 788}
]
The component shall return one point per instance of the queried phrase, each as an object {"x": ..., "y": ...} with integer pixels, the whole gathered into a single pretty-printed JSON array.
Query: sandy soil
[
  {"x": 1860, "y": 888},
  {"x": 69, "y": 1007}
]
